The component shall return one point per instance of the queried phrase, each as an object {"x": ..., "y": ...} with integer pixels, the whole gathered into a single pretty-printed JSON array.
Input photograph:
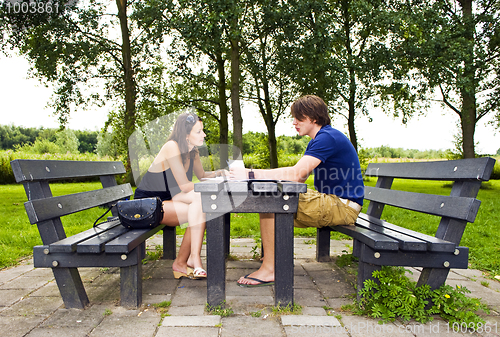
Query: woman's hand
[{"x": 238, "y": 173}]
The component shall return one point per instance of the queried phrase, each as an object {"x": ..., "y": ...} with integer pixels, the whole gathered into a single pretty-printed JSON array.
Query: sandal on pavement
[
  {"x": 260, "y": 284},
  {"x": 197, "y": 273},
  {"x": 179, "y": 274}
]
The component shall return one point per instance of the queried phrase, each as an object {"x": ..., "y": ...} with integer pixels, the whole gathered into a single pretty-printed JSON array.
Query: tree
[
  {"x": 197, "y": 36},
  {"x": 341, "y": 48},
  {"x": 269, "y": 85},
  {"x": 82, "y": 46},
  {"x": 454, "y": 46}
]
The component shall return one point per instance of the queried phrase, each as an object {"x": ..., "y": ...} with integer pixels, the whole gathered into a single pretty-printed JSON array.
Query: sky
[{"x": 24, "y": 102}]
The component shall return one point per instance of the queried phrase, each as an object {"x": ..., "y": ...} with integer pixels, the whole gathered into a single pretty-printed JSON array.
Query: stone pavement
[{"x": 30, "y": 304}]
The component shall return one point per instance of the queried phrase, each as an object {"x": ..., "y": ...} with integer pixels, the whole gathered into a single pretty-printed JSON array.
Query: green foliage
[
  {"x": 385, "y": 151},
  {"x": 394, "y": 295},
  {"x": 219, "y": 310},
  {"x": 40, "y": 150}
]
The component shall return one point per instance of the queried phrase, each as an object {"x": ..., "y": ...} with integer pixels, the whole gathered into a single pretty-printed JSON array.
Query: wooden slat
[
  {"x": 440, "y": 205},
  {"x": 32, "y": 170},
  {"x": 68, "y": 245},
  {"x": 96, "y": 244},
  {"x": 124, "y": 244},
  {"x": 405, "y": 242},
  {"x": 50, "y": 208},
  {"x": 477, "y": 168},
  {"x": 368, "y": 237},
  {"x": 433, "y": 244}
]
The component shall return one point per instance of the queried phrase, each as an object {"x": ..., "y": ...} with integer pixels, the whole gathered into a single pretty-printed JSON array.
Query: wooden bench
[
  {"x": 108, "y": 245},
  {"x": 378, "y": 243}
]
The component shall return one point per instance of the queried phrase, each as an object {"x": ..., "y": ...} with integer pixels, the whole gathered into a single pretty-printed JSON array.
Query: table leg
[
  {"x": 283, "y": 259},
  {"x": 216, "y": 260}
]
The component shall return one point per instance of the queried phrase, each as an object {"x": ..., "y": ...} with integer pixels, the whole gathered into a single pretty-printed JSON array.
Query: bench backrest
[
  {"x": 460, "y": 207},
  {"x": 45, "y": 210}
]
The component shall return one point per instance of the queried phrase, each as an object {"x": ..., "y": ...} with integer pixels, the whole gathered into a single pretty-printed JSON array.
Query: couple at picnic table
[{"x": 336, "y": 200}]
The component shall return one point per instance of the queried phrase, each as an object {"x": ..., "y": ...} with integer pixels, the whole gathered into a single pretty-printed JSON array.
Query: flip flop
[{"x": 260, "y": 284}]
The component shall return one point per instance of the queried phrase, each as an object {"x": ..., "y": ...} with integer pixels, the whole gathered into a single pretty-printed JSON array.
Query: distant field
[{"x": 17, "y": 236}]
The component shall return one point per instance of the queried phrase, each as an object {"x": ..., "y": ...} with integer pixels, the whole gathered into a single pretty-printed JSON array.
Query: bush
[{"x": 396, "y": 296}]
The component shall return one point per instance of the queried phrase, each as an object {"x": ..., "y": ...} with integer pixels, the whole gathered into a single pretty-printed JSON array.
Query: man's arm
[{"x": 299, "y": 172}]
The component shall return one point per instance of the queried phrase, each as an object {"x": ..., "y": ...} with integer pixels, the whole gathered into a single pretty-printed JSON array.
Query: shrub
[{"x": 396, "y": 296}]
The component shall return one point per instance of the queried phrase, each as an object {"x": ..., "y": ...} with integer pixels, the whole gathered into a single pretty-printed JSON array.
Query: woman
[{"x": 170, "y": 178}]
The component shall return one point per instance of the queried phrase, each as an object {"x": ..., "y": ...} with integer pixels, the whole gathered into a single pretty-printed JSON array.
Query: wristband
[{"x": 251, "y": 175}]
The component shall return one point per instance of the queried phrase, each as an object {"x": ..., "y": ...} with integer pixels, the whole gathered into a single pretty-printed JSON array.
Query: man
[{"x": 339, "y": 192}]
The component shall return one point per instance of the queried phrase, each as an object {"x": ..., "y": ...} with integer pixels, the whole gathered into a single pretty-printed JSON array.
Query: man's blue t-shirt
[{"x": 339, "y": 172}]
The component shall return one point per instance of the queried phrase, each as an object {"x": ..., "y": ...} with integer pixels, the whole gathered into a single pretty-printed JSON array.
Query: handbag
[{"x": 143, "y": 213}]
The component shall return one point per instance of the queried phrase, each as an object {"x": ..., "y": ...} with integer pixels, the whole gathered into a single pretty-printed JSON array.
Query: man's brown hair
[{"x": 312, "y": 107}]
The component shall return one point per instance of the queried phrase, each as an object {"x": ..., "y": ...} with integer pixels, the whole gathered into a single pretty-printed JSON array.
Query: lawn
[{"x": 18, "y": 236}]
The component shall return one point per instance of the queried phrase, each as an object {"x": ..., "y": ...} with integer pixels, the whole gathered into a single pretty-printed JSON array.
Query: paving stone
[
  {"x": 303, "y": 320},
  {"x": 169, "y": 331},
  {"x": 15, "y": 326},
  {"x": 247, "y": 326},
  {"x": 60, "y": 332},
  {"x": 75, "y": 318},
  {"x": 313, "y": 311},
  {"x": 8, "y": 274},
  {"x": 149, "y": 299},
  {"x": 11, "y": 296},
  {"x": 34, "y": 306},
  {"x": 246, "y": 304},
  {"x": 25, "y": 282},
  {"x": 125, "y": 323},
  {"x": 159, "y": 286},
  {"x": 192, "y": 310},
  {"x": 49, "y": 290},
  {"x": 308, "y": 297},
  {"x": 359, "y": 326},
  {"x": 207, "y": 321},
  {"x": 186, "y": 296}
]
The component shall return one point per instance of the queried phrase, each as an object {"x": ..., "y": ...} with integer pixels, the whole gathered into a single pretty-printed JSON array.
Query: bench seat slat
[
  {"x": 50, "y": 208},
  {"x": 68, "y": 245},
  {"x": 124, "y": 244},
  {"x": 478, "y": 168},
  {"x": 32, "y": 170},
  {"x": 370, "y": 238},
  {"x": 461, "y": 208},
  {"x": 433, "y": 244},
  {"x": 96, "y": 243},
  {"x": 405, "y": 242}
]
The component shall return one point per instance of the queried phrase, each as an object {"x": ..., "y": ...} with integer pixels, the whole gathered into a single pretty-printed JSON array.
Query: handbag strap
[{"x": 99, "y": 218}]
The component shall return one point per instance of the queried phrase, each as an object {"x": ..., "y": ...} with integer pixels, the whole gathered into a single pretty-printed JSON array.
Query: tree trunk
[
  {"x": 468, "y": 117},
  {"x": 235, "y": 97},
  {"x": 128, "y": 75},
  {"x": 223, "y": 123},
  {"x": 271, "y": 128}
]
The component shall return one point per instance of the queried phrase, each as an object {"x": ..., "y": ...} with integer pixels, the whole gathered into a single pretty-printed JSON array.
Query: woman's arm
[{"x": 201, "y": 173}]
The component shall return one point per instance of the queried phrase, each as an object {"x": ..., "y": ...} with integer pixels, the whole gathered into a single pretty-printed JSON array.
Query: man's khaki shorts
[{"x": 319, "y": 209}]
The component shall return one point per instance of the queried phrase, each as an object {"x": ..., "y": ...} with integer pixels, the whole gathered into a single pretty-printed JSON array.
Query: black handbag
[{"x": 143, "y": 213}]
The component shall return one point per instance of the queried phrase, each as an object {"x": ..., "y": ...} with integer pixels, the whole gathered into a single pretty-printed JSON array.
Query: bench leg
[
  {"x": 71, "y": 288},
  {"x": 227, "y": 233},
  {"x": 216, "y": 260},
  {"x": 283, "y": 259},
  {"x": 323, "y": 244},
  {"x": 131, "y": 280},
  {"x": 169, "y": 243},
  {"x": 434, "y": 277}
]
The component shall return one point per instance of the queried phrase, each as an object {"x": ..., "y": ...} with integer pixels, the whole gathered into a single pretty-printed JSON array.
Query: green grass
[{"x": 17, "y": 236}]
